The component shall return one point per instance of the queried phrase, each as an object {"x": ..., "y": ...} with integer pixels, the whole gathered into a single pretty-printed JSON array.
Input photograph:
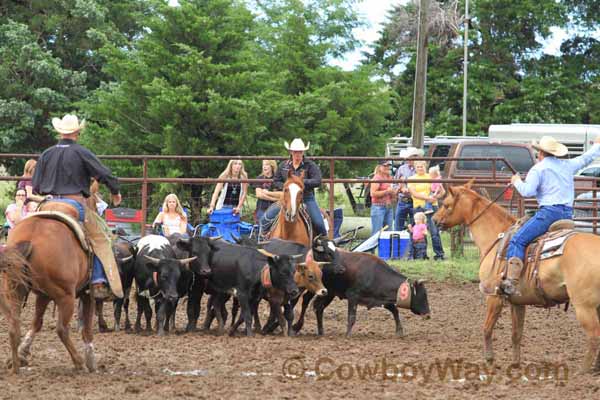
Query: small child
[
  {"x": 418, "y": 234},
  {"x": 436, "y": 188}
]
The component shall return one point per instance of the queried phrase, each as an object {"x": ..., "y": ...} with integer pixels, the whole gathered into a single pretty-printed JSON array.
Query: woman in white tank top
[{"x": 172, "y": 217}]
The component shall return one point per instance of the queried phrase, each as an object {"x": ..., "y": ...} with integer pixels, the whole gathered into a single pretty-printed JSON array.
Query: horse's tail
[{"x": 13, "y": 267}]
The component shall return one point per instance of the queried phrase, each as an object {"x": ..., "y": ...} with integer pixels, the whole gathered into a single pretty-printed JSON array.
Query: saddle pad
[
  {"x": 554, "y": 246},
  {"x": 66, "y": 219}
]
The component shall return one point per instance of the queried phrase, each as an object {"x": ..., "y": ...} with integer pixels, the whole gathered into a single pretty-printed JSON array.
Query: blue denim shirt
[{"x": 551, "y": 180}]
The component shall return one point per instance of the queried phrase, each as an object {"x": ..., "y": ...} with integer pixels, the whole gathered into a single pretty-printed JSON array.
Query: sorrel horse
[
  {"x": 56, "y": 269},
  {"x": 574, "y": 276}
]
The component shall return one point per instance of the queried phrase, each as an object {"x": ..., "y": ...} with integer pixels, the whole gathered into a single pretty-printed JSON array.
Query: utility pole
[
  {"x": 465, "y": 67},
  {"x": 418, "y": 120}
]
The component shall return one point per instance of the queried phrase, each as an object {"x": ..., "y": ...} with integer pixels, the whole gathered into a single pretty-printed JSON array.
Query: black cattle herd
[{"x": 163, "y": 271}]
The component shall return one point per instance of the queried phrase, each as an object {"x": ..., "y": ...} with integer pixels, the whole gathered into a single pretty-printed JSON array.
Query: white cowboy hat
[
  {"x": 550, "y": 145},
  {"x": 68, "y": 124},
  {"x": 412, "y": 152},
  {"x": 297, "y": 145}
]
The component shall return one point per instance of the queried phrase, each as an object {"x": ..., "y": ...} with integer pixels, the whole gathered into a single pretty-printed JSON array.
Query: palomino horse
[
  {"x": 56, "y": 268},
  {"x": 574, "y": 276}
]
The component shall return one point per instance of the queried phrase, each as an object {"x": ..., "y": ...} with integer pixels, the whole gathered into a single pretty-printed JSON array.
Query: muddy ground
[{"x": 439, "y": 358}]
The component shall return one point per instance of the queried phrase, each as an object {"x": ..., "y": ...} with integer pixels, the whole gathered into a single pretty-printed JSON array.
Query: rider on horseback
[
  {"x": 551, "y": 182},
  {"x": 65, "y": 172},
  {"x": 312, "y": 179}
]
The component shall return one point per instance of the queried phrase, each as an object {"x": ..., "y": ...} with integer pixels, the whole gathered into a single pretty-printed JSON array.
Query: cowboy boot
[{"x": 510, "y": 283}]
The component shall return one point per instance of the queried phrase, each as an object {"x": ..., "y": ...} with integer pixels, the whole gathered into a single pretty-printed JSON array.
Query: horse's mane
[{"x": 494, "y": 208}]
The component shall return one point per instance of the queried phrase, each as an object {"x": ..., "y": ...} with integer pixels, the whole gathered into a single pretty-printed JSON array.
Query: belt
[{"x": 77, "y": 197}]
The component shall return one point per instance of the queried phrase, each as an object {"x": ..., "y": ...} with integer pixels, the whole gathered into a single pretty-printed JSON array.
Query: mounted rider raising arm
[{"x": 551, "y": 182}]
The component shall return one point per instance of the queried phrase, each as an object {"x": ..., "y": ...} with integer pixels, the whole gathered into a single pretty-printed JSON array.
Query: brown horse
[
  {"x": 56, "y": 267},
  {"x": 574, "y": 276}
]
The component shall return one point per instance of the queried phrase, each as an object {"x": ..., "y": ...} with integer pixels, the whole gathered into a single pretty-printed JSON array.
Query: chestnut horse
[
  {"x": 56, "y": 269},
  {"x": 290, "y": 225},
  {"x": 574, "y": 276}
]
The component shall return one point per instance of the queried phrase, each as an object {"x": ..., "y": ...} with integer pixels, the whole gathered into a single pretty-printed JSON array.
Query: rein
[{"x": 489, "y": 205}]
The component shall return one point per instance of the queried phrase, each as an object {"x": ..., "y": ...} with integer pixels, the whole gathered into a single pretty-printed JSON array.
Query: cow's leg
[
  {"x": 87, "y": 333},
  {"x": 193, "y": 309},
  {"x": 161, "y": 316},
  {"x": 66, "y": 306},
  {"x": 320, "y": 304},
  {"x": 148, "y": 315},
  {"x": 102, "y": 325},
  {"x": 494, "y": 308},
  {"x": 588, "y": 318},
  {"x": 140, "y": 310},
  {"x": 217, "y": 306},
  {"x": 518, "y": 320},
  {"x": 117, "y": 310},
  {"x": 272, "y": 321},
  {"x": 41, "y": 303},
  {"x": 352, "y": 306},
  {"x": 308, "y": 296},
  {"x": 257, "y": 325},
  {"x": 288, "y": 311},
  {"x": 392, "y": 308},
  {"x": 234, "y": 310},
  {"x": 210, "y": 313},
  {"x": 126, "y": 307},
  {"x": 172, "y": 315},
  {"x": 246, "y": 312}
]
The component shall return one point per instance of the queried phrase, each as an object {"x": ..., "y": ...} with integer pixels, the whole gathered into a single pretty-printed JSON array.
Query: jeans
[
  {"x": 259, "y": 214},
  {"x": 536, "y": 226},
  {"x": 434, "y": 232},
  {"x": 380, "y": 216},
  {"x": 420, "y": 250},
  {"x": 313, "y": 211},
  {"x": 404, "y": 213}
]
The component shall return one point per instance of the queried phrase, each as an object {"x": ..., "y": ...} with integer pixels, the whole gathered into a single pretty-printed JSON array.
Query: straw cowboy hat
[
  {"x": 411, "y": 152},
  {"x": 68, "y": 124},
  {"x": 297, "y": 145},
  {"x": 549, "y": 145}
]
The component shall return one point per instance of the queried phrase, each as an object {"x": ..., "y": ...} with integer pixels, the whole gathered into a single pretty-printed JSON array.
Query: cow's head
[
  {"x": 309, "y": 276},
  {"x": 282, "y": 271},
  {"x": 124, "y": 255},
  {"x": 168, "y": 271},
  {"x": 325, "y": 250},
  {"x": 199, "y": 247},
  {"x": 419, "y": 303}
]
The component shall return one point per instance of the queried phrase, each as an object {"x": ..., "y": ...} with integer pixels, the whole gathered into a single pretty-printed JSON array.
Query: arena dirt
[{"x": 439, "y": 358}]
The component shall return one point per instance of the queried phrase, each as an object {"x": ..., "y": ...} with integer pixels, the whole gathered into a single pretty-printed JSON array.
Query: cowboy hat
[
  {"x": 297, "y": 145},
  {"x": 549, "y": 145},
  {"x": 68, "y": 124},
  {"x": 411, "y": 152}
]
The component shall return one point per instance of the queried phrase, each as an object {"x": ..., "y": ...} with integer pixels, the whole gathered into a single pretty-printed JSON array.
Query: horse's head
[
  {"x": 94, "y": 195},
  {"x": 458, "y": 206},
  {"x": 292, "y": 195}
]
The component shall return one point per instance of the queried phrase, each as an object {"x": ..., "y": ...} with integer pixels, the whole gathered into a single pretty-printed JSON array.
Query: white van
[{"x": 577, "y": 138}]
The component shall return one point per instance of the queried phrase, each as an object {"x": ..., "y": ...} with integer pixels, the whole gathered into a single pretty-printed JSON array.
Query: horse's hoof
[
  {"x": 400, "y": 334},
  {"x": 292, "y": 332}
]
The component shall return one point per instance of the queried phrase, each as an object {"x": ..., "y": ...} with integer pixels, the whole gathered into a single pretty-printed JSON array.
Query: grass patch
[{"x": 454, "y": 269}]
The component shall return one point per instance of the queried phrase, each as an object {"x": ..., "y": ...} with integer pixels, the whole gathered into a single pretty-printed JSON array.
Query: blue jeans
[
  {"x": 536, "y": 226},
  {"x": 434, "y": 232},
  {"x": 313, "y": 211},
  {"x": 380, "y": 216},
  {"x": 420, "y": 250},
  {"x": 259, "y": 214},
  {"x": 404, "y": 214}
]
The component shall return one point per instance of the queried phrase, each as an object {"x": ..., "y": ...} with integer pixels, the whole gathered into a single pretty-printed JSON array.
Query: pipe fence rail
[{"x": 495, "y": 181}]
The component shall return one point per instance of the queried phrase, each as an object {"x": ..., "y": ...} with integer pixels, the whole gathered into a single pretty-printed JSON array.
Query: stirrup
[{"x": 509, "y": 287}]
